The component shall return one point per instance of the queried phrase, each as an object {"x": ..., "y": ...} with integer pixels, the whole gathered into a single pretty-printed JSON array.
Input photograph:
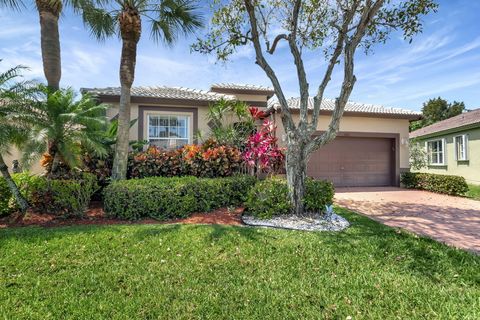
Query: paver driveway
[{"x": 453, "y": 220}]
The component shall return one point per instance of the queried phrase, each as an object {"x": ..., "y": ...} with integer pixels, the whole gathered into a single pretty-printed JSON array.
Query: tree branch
[
  {"x": 262, "y": 62},
  {"x": 302, "y": 76},
  {"x": 349, "y": 78},
  {"x": 277, "y": 39},
  {"x": 342, "y": 34}
]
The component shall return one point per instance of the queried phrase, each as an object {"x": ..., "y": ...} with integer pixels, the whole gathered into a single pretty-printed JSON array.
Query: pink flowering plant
[{"x": 261, "y": 153}]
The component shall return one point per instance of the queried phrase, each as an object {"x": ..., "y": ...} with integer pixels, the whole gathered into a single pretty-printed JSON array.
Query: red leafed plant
[
  {"x": 256, "y": 113},
  {"x": 262, "y": 153}
]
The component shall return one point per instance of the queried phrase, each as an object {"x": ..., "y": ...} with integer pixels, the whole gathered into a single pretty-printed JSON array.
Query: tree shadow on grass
[{"x": 408, "y": 252}]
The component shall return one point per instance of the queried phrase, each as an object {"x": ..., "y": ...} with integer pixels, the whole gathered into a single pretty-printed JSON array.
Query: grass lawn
[
  {"x": 473, "y": 191},
  {"x": 369, "y": 271}
]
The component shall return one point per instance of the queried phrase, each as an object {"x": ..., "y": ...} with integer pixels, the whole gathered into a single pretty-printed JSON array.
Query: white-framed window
[
  {"x": 461, "y": 147},
  {"x": 168, "y": 131},
  {"x": 436, "y": 152}
]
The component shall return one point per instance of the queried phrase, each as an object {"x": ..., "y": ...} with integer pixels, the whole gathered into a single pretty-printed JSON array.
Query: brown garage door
[{"x": 354, "y": 162}]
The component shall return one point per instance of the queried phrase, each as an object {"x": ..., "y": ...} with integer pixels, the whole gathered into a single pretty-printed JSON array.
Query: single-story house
[
  {"x": 453, "y": 146},
  {"x": 371, "y": 148}
]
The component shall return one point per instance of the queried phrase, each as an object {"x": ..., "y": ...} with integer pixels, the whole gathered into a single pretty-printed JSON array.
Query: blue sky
[{"x": 443, "y": 61}]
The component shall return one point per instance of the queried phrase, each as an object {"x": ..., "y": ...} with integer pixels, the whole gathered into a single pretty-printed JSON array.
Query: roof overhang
[
  {"x": 267, "y": 93},
  {"x": 410, "y": 117},
  {"x": 446, "y": 131}
]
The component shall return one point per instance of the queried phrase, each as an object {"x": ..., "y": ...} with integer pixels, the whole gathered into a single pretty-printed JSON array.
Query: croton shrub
[{"x": 205, "y": 160}]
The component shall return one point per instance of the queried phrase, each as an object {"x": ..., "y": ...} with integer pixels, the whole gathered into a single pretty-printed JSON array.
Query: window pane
[
  {"x": 152, "y": 120},
  {"x": 182, "y": 133},
  {"x": 173, "y": 132},
  {"x": 182, "y": 122},
  {"x": 435, "y": 158},
  {"x": 173, "y": 121},
  {"x": 162, "y": 132},
  {"x": 163, "y": 120}
]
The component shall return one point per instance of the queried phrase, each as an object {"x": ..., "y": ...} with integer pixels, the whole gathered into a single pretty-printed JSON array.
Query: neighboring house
[
  {"x": 371, "y": 148},
  {"x": 453, "y": 146}
]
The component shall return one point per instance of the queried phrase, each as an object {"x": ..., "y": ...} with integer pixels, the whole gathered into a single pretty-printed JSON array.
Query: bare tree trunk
[
  {"x": 130, "y": 28},
  {"x": 22, "y": 203},
  {"x": 49, "y": 12},
  {"x": 296, "y": 169}
]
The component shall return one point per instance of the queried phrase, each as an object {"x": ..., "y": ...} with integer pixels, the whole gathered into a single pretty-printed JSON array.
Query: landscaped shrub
[
  {"x": 25, "y": 183},
  {"x": 4, "y": 197},
  {"x": 63, "y": 196},
  {"x": 269, "y": 197},
  {"x": 318, "y": 194},
  {"x": 175, "y": 197},
  {"x": 207, "y": 160},
  {"x": 452, "y": 185},
  {"x": 57, "y": 196}
]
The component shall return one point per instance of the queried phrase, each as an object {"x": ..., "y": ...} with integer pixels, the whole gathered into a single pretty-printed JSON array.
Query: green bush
[
  {"x": 4, "y": 197},
  {"x": 57, "y": 196},
  {"x": 318, "y": 194},
  {"x": 25, "y": 182},
  {"x": 64, "y": 196},
  {"x": 165, "y": 198},
  {"x": 452, "y": 185},
  {"x": 269, "y": 198}
]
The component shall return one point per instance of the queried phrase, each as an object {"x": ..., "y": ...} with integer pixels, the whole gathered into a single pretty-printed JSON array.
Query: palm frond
[
  {"x": 101, "y": 23},
  {"x": 12, "y": 4},
  {"x": 171, "y": 18}
]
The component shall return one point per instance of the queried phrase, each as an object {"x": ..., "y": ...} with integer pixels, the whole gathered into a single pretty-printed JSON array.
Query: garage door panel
[{"x": 354, "y": 161}]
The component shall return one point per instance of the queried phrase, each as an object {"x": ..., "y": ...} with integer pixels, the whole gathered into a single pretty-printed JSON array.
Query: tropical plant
[
  {"x": 49, "y": 12},
  {"x": 329, "y": 30},
  {"x": 262, "y": 154},
  {"x": 230, "y": 122},
  {"x": 62, "y": 128},
  {"x": 418, "y": 155},
  {"x": 124, "y": 17},
  {"x": 12, "y": 130}
]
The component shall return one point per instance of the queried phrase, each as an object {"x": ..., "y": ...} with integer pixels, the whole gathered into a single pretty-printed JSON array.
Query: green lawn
[
  {"x": 473, "y": 192},
  {"x": 214, "y": 272}
]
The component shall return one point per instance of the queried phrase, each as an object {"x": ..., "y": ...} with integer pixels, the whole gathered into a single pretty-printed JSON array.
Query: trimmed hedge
[
  {"x": 452, "y": 185},
  {"x": 269, "y": 198},
  {"x": 57, "y": 196},
  {"x": 64, "y": 196},
  {"x": 165, "y": 198}
]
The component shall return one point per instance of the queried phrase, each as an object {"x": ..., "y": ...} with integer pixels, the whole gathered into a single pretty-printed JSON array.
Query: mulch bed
[{"x": 96, "y": 216}]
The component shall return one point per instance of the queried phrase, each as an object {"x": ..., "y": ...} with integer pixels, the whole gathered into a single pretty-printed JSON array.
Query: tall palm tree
[
  {"x": 49, "y": 12},
  {"x": 13, "y": 131},
  {"x": 62, "y": 127},
  {"x": 167, "y": 19}
]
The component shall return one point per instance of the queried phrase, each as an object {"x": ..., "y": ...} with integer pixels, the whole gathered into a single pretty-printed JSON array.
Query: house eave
[{"x": 446, "y": 131}]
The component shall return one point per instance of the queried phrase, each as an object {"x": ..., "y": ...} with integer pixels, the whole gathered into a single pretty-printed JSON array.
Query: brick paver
[{"x": 452, "y": 220}]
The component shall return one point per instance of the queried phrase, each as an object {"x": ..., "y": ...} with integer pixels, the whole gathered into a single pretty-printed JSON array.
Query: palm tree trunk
[
  {"x": 22, "y": 203},
  {"x": 130, "y": 29},
  {"x": 49, "y": 12}
]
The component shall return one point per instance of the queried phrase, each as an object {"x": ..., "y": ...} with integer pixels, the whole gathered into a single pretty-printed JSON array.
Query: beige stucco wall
[
  {"x": 251, "y": 97},
  {"x": 14, "y": 154},
  {"x": 469, "y": 169},
  {"x": 363, "y": 124}
]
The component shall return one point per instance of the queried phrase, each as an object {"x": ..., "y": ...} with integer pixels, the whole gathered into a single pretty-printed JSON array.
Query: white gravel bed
[{"x": 307, "y": 223}]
